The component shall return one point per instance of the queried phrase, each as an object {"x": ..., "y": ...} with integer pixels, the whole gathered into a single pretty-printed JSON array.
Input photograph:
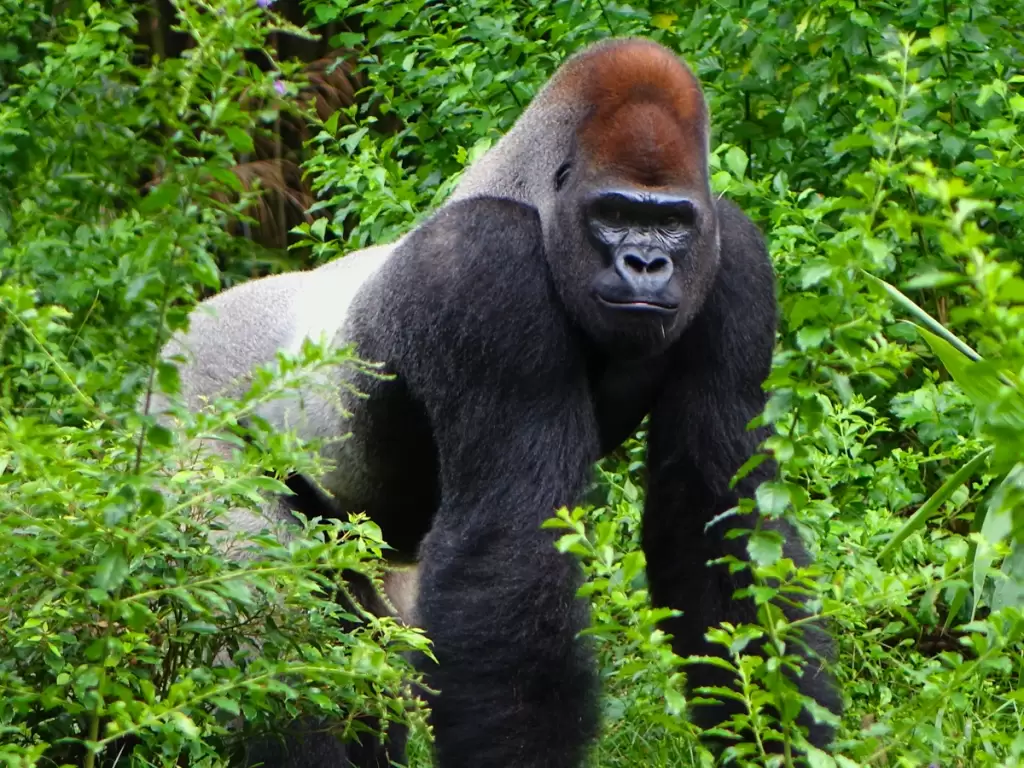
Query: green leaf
[
  {"x": 160, "y": 198},
  {"x": 773, "y": 498},
  {"x": 863, "y": 19},
  {"x": 853, "y": 141},
  {"x": 675, "y": 702},
  {"x": 199, "y": 627},
  {"x": 159, "y": 436},
  {"x": 879, "y": 82},
  {"x": 168, "y": 378},
  {"x": 934, "y": 279},
  {"x": 931, "y": 506},
  {"x": 241, "y": 140},
  {"x": 982, "y": 381},
  {"x": 318, "y": 228},
  {"x": 111, "y": 572},
  {"x": 736, "y": 161},
  {"x": 185, "y": 724},
  {"x": 811, "y": 337},
  {"x": 818, "y": 759},
  {"x": 325, "y": 12},
  {"x": 1008, "y": 497},
  {"x": 1009, "y": 592},
  {"x": 996, "y": 526},
  {"x": 226, "y": 177},
  {"x": 814, "y": 273},
  {"x": 765, "y": 547},
  {"x": 347, "y": 40}
]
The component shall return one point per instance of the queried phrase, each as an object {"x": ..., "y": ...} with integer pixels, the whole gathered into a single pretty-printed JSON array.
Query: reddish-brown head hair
[{"x": 646, "y": 116}]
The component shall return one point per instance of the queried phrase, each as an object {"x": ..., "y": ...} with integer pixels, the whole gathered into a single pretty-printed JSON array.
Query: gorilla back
[{"x": 581, "y": 277}]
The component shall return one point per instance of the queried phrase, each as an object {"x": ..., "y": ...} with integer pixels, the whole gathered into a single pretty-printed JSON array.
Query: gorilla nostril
[
  {"x": 658, "y": 264},
  {"x": 635, "y": 263}
]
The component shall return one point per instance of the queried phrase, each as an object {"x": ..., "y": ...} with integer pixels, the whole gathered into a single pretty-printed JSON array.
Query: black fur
[{"x": 511, "y": 405}]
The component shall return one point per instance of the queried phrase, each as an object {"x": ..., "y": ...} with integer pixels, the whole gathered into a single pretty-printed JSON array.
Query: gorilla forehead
[
  {"x": 646, "y": 144},
  {"x": 646, "y": 119}
]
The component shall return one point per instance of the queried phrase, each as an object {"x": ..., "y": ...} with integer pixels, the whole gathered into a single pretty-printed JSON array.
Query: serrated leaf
[
  {"x": 111, "y": 572},
  {"x": 813, "y": 274},
  {"x": 811, "y": 337},
  {"x": 764, "y": 547},
  {"x": 773, "y": 498}
]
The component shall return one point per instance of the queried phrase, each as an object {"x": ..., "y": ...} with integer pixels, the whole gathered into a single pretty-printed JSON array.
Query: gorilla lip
[{"x": 640, "y": 305}]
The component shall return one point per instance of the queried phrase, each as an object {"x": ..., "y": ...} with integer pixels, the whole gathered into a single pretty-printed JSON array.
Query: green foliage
[
  {"x": 123, "y": 628},
  {"x": 877, "y": 144}
]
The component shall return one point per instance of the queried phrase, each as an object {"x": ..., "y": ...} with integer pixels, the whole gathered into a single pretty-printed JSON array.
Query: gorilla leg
[
  {"x": 698, "y": 438},
  {"x": 680, "y": 578}
]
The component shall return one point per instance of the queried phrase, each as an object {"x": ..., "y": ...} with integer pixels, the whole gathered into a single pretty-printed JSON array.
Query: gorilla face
[{"x": 633, "y": 263}]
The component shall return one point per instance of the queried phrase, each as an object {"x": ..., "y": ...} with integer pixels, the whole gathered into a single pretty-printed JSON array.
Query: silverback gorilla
[{"x": 581, "y": 277}]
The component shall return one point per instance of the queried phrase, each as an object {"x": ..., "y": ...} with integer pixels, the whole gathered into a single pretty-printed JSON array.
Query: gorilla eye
[{"x": 562, "y": 174}]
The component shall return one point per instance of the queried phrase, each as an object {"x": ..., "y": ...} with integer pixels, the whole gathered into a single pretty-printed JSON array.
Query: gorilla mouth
[{"x": 641, "y": 305}]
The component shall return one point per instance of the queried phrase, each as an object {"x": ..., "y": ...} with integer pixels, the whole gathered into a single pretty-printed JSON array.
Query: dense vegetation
[{"x": 152, "y": 153}]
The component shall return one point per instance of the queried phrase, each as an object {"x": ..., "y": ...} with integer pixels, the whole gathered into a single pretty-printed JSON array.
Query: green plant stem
[
  {"x": 917, "y": 312},
  {"x": 937, "y": 499}
]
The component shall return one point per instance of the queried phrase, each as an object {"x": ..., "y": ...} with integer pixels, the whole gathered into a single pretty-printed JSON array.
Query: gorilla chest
[{"x": 623, "y": 393}]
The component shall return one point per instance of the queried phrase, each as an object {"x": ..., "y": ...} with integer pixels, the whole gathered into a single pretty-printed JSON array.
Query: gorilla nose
[{"x": 645, "y": 273}]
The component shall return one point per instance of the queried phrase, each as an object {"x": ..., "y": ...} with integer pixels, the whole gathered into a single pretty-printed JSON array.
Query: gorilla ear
[{"x": 562, "y": 174}]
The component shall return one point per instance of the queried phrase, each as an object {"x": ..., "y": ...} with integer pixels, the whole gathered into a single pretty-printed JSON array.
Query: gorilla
[{"x": 580, "y": 278}]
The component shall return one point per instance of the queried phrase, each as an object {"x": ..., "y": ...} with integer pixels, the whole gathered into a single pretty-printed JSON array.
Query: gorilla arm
[
  {"x": 242, "y": 328},
  {"x": 469, "y": 320},
  {"x": 698, "y": 439}
]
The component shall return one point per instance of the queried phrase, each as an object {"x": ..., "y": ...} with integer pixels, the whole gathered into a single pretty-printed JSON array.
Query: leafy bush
[{"x": 877, "y": 144}]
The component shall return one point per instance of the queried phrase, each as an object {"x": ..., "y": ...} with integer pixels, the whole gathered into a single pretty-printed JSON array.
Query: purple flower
[
  {"x": 264, "y": 3},
  {"x": 279, "y": 85}
]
